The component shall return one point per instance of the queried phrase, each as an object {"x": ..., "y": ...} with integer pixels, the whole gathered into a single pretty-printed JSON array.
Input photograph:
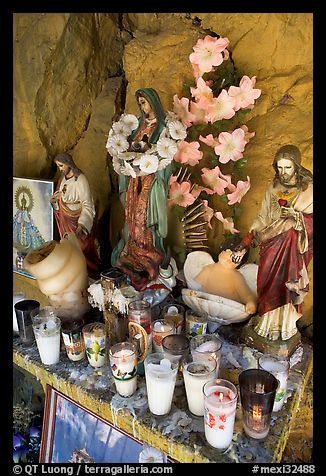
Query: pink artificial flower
[
  {"x": 226, "y": 54},
  {"x": 209, "y": 213},
  {"x": 188, "y": 153},
  {"x": 196, "y": 190},
  {"x": 221, "y": 107},
  {"x": 245, "y": 94},
  {"x": 231, "y": 145},
  {"x": 208, "y": 53},
  {"x": 241, "y": 189},
  {"x": 173, "y": 179},
  {"x": 248, "y": 135},
  {"x": 209, "y": 140},
  {"x": 181, "y": 108},
  {"x": 196, "y": 71},
  {"x": 212, "y": 178},
  {"x": 228, "y": 223},
  {"x": 202, "y": 91},
  {"x": 180, "y": 194},
  {"x": 199, "y": 111}
]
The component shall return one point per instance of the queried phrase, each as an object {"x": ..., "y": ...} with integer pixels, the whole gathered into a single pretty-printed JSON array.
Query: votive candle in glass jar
[
  {"x": 220, "y": 401},
  {"x": 196, "y": 374},
  {"x": 176, "y": 347},
  {"x": 46, "y": 327},
  {"x": 174, "y": 313},
  {"x": 279, "y": 367},
  {"x": 160, "y": 329},
  {"x": 257, "y": 392},
  {"x": 95, "y": 341},
  {"x": 196, "y": 323},
  {"x": 160, "y": 375},
  {"x": 139, "y": 312},
  {"x": 73, "y": 339},
  {"x": 207, "y": 347},
  {"x": 123, "y": 361}
]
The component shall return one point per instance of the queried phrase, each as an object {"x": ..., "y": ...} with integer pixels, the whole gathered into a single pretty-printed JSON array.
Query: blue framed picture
[
  {"x": 73, "y": 434},
  {"x": 32, "y": 218}
]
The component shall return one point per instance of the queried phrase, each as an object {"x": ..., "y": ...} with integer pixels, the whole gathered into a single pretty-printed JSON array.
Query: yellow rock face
[{"x": 66, "y": 69}]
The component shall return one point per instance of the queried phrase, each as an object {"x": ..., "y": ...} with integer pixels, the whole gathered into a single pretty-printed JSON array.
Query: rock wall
[{"x": 74, "y": 72}]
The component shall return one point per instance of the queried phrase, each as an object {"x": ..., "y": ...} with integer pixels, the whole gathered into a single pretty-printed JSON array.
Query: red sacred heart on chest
[{"x": 282, "y": 202}]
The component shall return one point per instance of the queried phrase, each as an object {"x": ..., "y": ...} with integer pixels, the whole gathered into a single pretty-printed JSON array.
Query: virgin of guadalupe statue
[{"x": 140, "y": 251}]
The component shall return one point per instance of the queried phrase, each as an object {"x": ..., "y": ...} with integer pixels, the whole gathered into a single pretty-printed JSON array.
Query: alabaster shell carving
[{"x": 61, "y": 273}]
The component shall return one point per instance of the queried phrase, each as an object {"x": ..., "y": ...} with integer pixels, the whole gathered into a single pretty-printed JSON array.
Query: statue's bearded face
[{"x": 286, "y": 171}]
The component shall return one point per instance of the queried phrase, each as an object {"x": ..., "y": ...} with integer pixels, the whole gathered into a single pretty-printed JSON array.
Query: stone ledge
[{"x": 178, "y": 435}]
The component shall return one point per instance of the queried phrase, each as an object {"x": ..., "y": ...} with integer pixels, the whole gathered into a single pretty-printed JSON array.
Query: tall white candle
[
  {"x": 124, "y": 370},
  {"x": 195, "y": 375},
  {"x": 47, "y": 335},
  {"x": 160, "y": 376},
  {"x": 220, "y": 407}
]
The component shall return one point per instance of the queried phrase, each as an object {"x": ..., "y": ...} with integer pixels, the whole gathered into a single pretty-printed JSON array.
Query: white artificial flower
[
  {"x": 128, "y": 156},
  {"x": 151, "y": 455},
  {"x": 164, "y": 163},
  {"x": 118, "y": 143},
  {"x": 121, "y": 128},
  {"x": 177, "y": 130},
  {"x": 166, "y": 147},
  {"x": 116, "y": 165},
  {"x": 170, "y": 116},
  {"x": 127, "y": 169},
  {"x": 130, "y": 121},
  {"x": 148, "y": 163}
]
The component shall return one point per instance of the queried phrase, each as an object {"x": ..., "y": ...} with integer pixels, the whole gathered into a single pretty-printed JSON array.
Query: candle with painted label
[
  {"x": 95, "y": 341},
  {"x": 207, "y": 347},
  {"x": 280, "y": 369},
  {"x": 220, "y": 400},
  {"x": 123, "y": 360},
  {"x": 196, "y": 323},
  {"x": 195, "y": 375},
  {"x": 73, "y": 339},
  {"x": 160, "y": 374},
  {"x": 161, "y": 329}
]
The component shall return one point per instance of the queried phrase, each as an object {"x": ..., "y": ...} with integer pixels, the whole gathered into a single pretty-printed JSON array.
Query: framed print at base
[
  {"x": 73, "y": 434},
  {"x": 32, "y": 218}
]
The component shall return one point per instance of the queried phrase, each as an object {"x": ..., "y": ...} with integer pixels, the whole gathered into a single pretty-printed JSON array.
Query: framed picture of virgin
[
  {"x": 72, "y": 433},
  {"x": 32, "y": 218}
]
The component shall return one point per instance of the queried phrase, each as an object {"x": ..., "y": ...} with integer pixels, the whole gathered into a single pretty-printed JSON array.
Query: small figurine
[
  {"x": 74, "y": 209},
  {"x": 142, "y": 151},
  {"x": 283, "y": 229}
]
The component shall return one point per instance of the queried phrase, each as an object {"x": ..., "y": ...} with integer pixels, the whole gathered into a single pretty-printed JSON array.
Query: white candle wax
[
  {"x": 220, "y": 407},
  {"x": 124, "y": 370},
  {"x": 160, "y": 383},
  {"x": 47, "y": 337},
  {"x": 280, "y": 371},
  {"x": 195, "y": 375}
]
